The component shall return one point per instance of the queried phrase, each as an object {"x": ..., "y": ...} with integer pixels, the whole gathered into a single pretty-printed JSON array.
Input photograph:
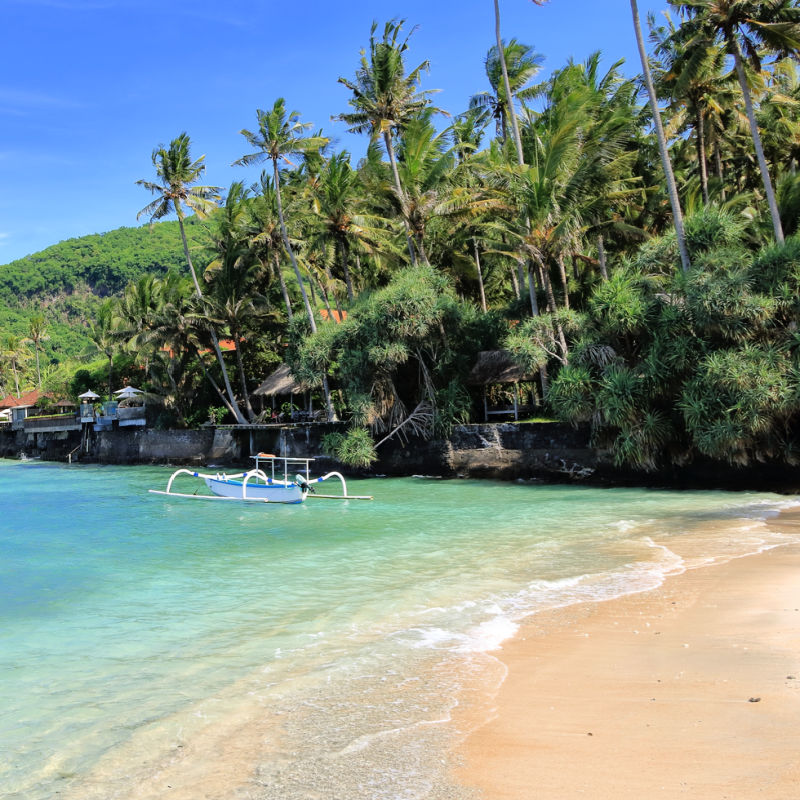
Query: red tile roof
[{"x": 26, "y": 400}]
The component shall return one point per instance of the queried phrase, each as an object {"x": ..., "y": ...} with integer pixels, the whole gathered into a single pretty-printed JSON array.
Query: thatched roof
[
  {"x": 496, "y": 366},
  {"x": 280, "y": 382}
]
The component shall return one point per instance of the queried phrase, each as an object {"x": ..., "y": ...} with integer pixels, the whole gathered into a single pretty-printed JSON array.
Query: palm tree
[
  {"x": 105, "y": 338},
  {"x": 385, "y": 97},
  {"x": 506, "y": 82},
  {"x": 176, "y": 173},
  {"x": 232, "y": 275},
  {"x": 37, "y": 333},
  {"x": 522, "y": 64},
  {"x": 14, "y": 353},
  {"x": 266, "y": 240},
  {"x": 337, "y": 200},
  {"x": 746, "y": 28},
  {"x": 279, "y": 136},
  {"x": 672, "y": 189}
]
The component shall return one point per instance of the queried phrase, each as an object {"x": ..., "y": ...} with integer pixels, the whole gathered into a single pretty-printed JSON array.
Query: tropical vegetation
[{"x": 632, "y": 242}]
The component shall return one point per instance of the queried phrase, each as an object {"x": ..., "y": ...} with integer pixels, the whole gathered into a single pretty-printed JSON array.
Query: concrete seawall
[{"x": 502, "y": 451}]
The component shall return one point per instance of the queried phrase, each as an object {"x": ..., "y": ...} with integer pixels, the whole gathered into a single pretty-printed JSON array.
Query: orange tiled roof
[
  {"x": 25, "y": 400},
  {"x": 337, "y": 316}
]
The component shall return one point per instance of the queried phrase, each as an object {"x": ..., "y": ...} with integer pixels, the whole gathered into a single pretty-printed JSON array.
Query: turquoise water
[{"x": 296, "y": 651}]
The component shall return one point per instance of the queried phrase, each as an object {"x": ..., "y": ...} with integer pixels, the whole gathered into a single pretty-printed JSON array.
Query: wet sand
[{"x": 690, "y": 691}]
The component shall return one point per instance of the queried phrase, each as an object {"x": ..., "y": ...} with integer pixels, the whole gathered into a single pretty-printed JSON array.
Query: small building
[
  {"x": 282, "y": 383},
  {"x": 498, "y": 368}
]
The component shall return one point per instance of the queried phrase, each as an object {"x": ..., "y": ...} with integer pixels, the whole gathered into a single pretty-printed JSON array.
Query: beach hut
[
  {"x": 281, "y": 383},
  {"x": 498, "y": 368}
]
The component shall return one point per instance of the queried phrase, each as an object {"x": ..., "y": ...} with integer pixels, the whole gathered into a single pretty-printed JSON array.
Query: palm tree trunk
[
  {"x": 210, "y": 378},
  {"x": 672, "y": 189},
  {"x": 506, "y": 85},
  {"x": 563, "y": 273},
  {"x": 287, "y": 244},
  {"x": 701, "y": 154},
  {"x": 601, "y": 256},
  {"x": 480, "y": 274},
  {"x": 398, "y": 187},
  {"x": 718, "y": 159},
  {"x": 532, "y": 291},
  {"x": 240, "y": 364},
  {"x": 228, "y": 388},
  {"x": 515, "y": 282},
  {"x": 348, "y": 282},
  {"x": 762, "y": 161},
  {"x": 284, "y": 289},
  {"x": 38, "y": 374}
]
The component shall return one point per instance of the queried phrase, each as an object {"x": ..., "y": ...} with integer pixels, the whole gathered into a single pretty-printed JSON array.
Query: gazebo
[
  {"x": 279, "y": 384},
  {"x": 495, "y": 367}
]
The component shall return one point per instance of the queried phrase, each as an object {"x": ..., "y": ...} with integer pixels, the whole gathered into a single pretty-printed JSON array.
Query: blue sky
[{"x": 89, "y": 87}]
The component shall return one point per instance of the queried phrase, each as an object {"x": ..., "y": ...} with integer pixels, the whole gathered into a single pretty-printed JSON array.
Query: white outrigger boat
[{"x": 267, "y": 485}]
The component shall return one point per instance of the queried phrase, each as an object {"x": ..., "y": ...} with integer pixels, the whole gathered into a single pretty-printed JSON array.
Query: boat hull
[{"x": 270, "y": 493}]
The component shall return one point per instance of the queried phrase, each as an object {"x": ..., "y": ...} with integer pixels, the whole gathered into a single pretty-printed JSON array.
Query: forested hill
[{"x": 104, "y": 263}]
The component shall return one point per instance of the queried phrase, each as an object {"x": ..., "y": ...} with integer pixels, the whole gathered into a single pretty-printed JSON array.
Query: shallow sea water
[{"x": 152, "y": 645}]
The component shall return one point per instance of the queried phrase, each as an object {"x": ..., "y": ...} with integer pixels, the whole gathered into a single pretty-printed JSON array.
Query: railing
[{"x": 51, "y": 422}]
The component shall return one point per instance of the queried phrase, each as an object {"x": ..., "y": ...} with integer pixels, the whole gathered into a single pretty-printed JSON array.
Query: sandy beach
[{"x": 691, "y": 691}]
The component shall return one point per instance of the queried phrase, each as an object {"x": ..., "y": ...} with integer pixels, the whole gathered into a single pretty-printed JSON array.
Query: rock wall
[{"x": 503, "y": 451}]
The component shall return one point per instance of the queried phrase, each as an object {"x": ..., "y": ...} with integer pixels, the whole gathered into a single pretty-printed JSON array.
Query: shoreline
[{"x": 691, "y": 689}]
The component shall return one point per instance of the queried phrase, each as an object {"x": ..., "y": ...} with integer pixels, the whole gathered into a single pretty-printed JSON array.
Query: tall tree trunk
[
  {"x": 288, "y": 245},
  {"x": 601, "y": 256},
  {"x": 282, "y": 283},
  {"x": 348, "y": 282},
  {"x": 551, "y": 307},
  {"x": 480, "y": 274},
  {"x": 532, "y": 291},
  {"x": 38, "y": 374},
  {"x": 515, "y": 282},
  {"x": 701, "y": 154},
  {"x": 501, "y": 54},
  {"x": 401, "y": 195},
  {"x": 672, "y": 189},
  {"x": 240, "y": 364},
  {"x": 217, "y": 351},
  {"x": 718, "y": 160},
  {"x": 210, "y": 378},
  {"x": 762, "y": 161},
  {"x": 563, "y": 273}
]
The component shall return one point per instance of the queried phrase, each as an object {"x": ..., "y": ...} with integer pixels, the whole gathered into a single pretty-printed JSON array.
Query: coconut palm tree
[
  {"x": 522, "y": 65},
  {"x": 266, "y": 240},
  {"x": 14, "y": 354},
  {"x": 37, "y": 333},
  {"x": 176, "y": 173},
  {"x": 386, "y": 97},
  {"x": 105, "y": 338},
  {"x": 506, "y": 81},
  {"x": 279, "y": 136},
  {"x": 672, "y": 189},
  {"x": 337, "y": 201},
  {"x": 747, "y": 28}
]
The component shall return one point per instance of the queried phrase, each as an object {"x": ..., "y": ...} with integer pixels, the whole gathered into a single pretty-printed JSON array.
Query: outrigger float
[{"x": 268, "y": 485}]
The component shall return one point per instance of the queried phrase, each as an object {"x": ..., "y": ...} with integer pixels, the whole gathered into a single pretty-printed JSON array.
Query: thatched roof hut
[
  {"x": 281, "y": 382},
  {"x": 496, "y": 366}
]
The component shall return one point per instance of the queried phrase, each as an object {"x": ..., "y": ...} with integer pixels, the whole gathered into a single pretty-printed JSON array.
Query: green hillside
[{"x": 68, "y": 280}]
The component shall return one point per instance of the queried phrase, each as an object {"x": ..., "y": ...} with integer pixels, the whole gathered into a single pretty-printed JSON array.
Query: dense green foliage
[{"x": 667, "y": 321}]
